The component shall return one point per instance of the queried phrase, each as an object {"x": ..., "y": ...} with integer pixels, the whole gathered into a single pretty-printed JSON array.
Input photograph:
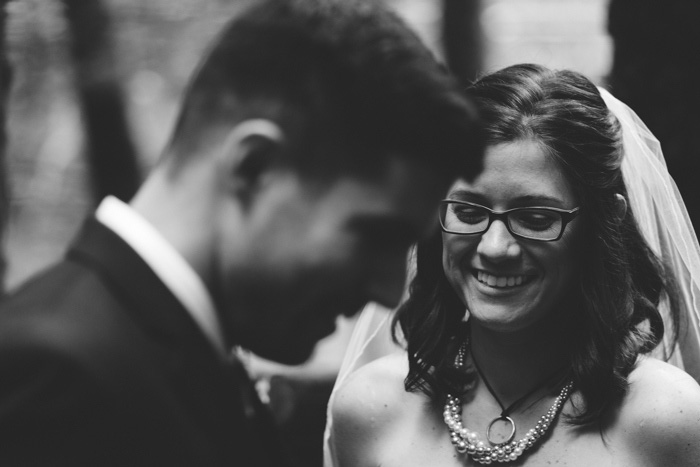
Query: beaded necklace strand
[{"x": 467, "y": 441}]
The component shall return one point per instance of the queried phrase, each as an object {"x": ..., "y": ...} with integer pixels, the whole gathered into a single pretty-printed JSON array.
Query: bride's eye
[
  {"x": 469, "y": 214},
  {"x": 536, "y": 219}
]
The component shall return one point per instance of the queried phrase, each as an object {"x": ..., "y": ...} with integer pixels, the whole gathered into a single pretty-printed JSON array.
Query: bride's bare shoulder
[
  {"x": 374, "y": 389},
  {"x": 660, "y": 415},
  {"x": 364, "y": 409},
  {"x": 662, "y": 393}
]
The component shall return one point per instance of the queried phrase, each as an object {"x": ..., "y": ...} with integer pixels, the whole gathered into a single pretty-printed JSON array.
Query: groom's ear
[{"x": 250, "y": 150}]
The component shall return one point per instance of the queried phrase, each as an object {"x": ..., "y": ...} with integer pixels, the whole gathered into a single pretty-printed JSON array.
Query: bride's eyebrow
[
  {"x": 540, "y": 199},
  {"x": 465, "y": 195},
  {"x": 524, "y": 200}
]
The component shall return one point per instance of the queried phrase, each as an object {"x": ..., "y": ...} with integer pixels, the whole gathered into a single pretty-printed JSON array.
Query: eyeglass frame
[{"x": 567, "y": 215}]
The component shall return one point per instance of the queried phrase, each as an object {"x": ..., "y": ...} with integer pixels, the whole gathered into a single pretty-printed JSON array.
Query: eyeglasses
[{"x": 543, "y": 224}]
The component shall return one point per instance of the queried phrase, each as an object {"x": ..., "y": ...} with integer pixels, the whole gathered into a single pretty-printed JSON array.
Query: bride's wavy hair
[{"x": 621, "y": 281}]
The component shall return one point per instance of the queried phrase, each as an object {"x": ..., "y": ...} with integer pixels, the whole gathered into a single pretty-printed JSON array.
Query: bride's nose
[{"x": 498, "y": 244}]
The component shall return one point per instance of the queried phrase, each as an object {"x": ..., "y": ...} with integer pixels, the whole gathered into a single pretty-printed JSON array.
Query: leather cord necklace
[
  {"x": 506, "y": 411},
  {"x": 467, "y": 441}
]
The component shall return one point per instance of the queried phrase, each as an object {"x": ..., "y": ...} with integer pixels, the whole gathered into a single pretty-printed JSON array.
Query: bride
[{"x": 574, "y": 260}]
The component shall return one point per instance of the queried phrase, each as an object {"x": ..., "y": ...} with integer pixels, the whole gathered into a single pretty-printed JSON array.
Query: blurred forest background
[
  {"x": 96, "y": 83},
  {"x": 89, "y": 90},
  {"x": 93, "y": 86}
]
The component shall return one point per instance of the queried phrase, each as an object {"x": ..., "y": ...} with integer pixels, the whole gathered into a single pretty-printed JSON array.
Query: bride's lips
[{"x": 501, "y": 281}]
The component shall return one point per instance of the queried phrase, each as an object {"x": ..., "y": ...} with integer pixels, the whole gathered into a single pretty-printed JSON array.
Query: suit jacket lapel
[
  {"x": 216, "y": 395},
  {"x": 146, "y": 298}
]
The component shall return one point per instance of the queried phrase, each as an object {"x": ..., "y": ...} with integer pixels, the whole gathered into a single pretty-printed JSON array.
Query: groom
[{"x": 313, "y": 145}]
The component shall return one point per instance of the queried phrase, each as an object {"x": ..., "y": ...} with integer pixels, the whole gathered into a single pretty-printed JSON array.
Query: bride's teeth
[{"x": 499, "y": 281}]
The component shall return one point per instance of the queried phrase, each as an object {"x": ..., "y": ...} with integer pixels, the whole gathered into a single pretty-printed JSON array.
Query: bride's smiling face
[{"x": 508, "y": 283}]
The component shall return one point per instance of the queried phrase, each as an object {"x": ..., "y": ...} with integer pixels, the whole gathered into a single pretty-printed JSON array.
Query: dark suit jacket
[{"x": 100, "y": 365}]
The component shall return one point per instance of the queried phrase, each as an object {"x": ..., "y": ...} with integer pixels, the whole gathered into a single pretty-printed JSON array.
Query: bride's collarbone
[
  {"x": 429, "y": 444},
  {"x": 421, "y": 438}
]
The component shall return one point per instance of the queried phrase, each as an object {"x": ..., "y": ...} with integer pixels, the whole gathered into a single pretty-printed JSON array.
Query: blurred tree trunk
[
  {"x": 655, "y": 63},
  {"x": 5, "y": 79},
  {"x": 111, "y": 154},
  {"x": 462, "y": 39}
]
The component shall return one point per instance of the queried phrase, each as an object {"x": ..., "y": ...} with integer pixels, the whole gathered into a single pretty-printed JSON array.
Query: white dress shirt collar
[{"x": 166, "y": 263}]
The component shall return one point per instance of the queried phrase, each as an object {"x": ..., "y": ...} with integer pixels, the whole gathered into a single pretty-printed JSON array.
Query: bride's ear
[{"x": 620, "y": 207}]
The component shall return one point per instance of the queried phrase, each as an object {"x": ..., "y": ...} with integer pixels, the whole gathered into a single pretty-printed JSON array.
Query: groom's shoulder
[{"x": 64, "y": 313}]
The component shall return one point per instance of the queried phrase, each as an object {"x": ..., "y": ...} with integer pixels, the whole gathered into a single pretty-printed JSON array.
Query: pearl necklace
[{"x": 467, "y": 441}]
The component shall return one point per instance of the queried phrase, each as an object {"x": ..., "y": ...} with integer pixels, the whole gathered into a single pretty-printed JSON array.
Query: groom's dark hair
[{"x": 333, "y": 74}]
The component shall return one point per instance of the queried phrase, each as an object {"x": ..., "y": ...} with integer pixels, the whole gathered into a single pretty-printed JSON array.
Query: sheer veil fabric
[{"x": 665, "y": 224}]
